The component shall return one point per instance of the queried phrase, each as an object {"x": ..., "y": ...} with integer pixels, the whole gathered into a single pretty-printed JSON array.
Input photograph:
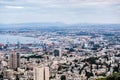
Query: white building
[{"x": 41, "y": 73}]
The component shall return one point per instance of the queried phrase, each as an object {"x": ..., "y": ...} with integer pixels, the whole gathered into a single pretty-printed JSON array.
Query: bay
[{"x": 13, "y": 39}]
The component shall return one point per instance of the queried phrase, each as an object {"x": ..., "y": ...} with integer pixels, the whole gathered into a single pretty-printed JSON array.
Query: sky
[{"x": 64, "y": 11}]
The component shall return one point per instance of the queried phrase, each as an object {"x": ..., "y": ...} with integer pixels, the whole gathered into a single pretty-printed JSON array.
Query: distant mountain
[
  {"x": 96, "y": 26},
  {"x": 26, "y": 25},
  {"x": 55, "y": 25}
]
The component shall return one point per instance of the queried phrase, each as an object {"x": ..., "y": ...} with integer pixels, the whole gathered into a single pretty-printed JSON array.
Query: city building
[
  {"x": 57, "y": 52},
  {"x": 41, "y": 73},
  {"x": 14, "y": 60}
]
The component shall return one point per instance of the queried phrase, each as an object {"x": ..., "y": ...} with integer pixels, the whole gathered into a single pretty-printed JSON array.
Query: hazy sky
[{"x": 66, "y": 11}]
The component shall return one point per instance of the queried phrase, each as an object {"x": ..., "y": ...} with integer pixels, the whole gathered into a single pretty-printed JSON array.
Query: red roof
[{"x": 1, "y": 44}]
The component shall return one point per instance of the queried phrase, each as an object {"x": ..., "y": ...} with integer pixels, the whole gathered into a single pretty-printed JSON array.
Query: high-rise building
[
  {"x": 60, "y": 51},
  {"x": 18, "y": 45},
  {"x": 57, "y": 52},
  {"x": 14, "y": 60},
  {"x": 41, "y": 73}
]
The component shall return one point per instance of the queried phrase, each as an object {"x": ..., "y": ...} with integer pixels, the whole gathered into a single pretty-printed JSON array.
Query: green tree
[{"x": 63, "y": 77}]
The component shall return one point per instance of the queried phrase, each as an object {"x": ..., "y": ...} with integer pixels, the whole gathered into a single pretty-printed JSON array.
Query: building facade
[
  {"x": 41, "y": 73},
  {"x": 14, "y": 60}
]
